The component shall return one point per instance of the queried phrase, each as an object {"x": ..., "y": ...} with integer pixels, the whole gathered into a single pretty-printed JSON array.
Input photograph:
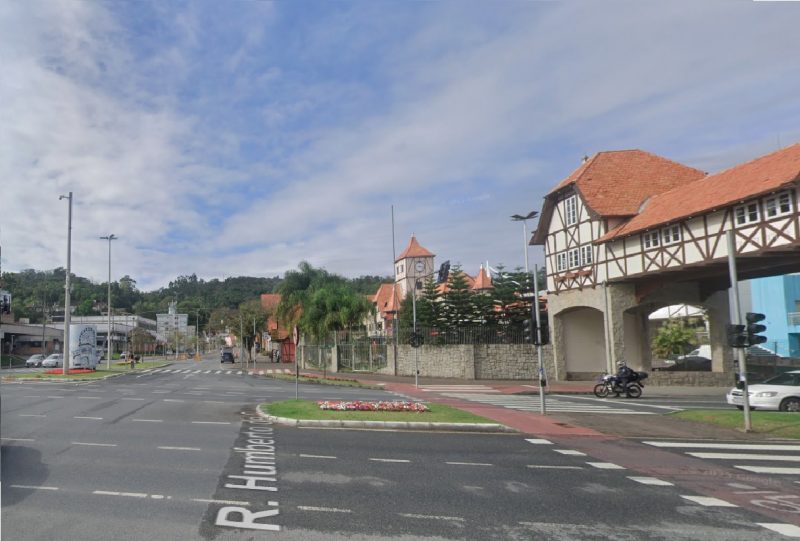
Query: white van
[{"x": 701, "y": 351}]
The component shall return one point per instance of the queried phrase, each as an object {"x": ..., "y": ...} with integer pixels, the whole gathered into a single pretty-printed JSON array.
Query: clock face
[{"x": 420, "y": 266}]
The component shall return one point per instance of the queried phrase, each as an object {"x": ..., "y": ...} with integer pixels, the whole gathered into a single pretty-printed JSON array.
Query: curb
[{"x": 394, "y": 425}]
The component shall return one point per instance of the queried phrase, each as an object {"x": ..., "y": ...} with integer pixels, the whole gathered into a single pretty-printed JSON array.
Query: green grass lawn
[
  {"x": 772, "y": 423},
  {"x": 101, "y": 372},
  {"x": 306, "y": 409},
  {"x": 327, "y": 381}
]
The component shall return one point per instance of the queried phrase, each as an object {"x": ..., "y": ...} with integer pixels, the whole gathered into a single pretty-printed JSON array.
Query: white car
[
  {"x": 34, "y": 360},
  {"x": 781, "y": 392},
  {"x": 53, "y": 361}
]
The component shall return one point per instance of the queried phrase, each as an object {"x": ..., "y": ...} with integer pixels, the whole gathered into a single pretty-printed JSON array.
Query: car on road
[
  {"x": 34, "y": 360},
  {"x": 781, "y": 392},
  {"x": 227, "y": 357},
  {"x": 53, "y": 361}
]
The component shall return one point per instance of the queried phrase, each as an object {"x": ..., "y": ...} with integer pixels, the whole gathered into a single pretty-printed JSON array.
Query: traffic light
[
  {"x": 737, "y": 337},
  {"x": 754, "y": 328},
  {"x": 444, "y": 272},
  {"x": 527, "y": 331},
  {"x": 544, "y": 329}
]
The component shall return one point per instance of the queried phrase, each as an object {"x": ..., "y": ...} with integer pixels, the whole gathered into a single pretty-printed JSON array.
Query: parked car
[
  {"x": 227, "y": 357},
  {"x": 687, "y": 364},
  {"x": 781, "y": 392},
  {"x": 53, "y": 361},
  {"x": 703, "y": 351},
  {"x": 34, "y": 360}
]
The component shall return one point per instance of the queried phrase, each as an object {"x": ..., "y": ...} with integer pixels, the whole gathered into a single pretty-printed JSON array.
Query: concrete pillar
[
  {"x": 645, "y": 351},
  {"x": 557, "y": 342},
  {"x": 718, "y": 310}
]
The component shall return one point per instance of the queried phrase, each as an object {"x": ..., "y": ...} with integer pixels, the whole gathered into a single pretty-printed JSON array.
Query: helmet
[{"x": 620, "y": 364}]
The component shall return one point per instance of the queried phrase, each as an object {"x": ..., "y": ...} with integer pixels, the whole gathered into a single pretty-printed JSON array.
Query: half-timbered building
[{"x": 629, "y": 232}]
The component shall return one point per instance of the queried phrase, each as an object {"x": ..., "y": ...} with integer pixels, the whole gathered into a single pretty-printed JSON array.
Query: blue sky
[{"x": 239, "y": 138}]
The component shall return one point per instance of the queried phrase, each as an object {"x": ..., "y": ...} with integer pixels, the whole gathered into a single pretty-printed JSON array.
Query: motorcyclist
[{"x": 624, "y": 374}]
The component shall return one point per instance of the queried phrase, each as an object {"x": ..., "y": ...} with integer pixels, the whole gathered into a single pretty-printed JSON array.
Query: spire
[{"x": 414, "y": 249}]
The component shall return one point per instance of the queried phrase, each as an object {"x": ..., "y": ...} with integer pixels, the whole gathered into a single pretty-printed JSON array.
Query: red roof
[
  {"x": 444, "y": 287},
  {"x": 482, "y": 280},
  {"x": 387, "y": 300},
  {"x": 414, "y": 249},
  {"x": 615, "y": 183},
  {"x": 762, "y": 175}
]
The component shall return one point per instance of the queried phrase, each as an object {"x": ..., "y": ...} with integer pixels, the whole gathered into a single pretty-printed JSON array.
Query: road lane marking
[
  {"x": 114, "y": 493},
  {"x": 789, "y": 530},
  {"x": 173, "y": 400},
  {"x": 160, "y": 392},
  {"x": 17, "y": 439},
  {"x": 54, "y": 396},
  {"x": 210, "y": 423},
  {"x": 569, "y": 452},
  {"x": 316, "y": 456},
  {"x": 651, "y": 481},
  {"x": 90, "y": 397},
  {"x": 539, "y": 441},
  {"x": 390, "y": 460},
  {"x": 707, "y": 501},
  {"x": 225, "y": 502},
  {"x": 32, "y": 415},
  {"x": 768, "y": 469},
  {"x": 547, "y": 467},
  {"x": 468, "y": 464},
  {"x": 127, "y": 398},
  {"x": 31, "y": 396},
  {"x": 730, "y": 446},
  {"x": 147, "y": 420},
  {"x": 181, "y": 448},
  {"x": 92, "y": 418},
  {"x": 741, "y": 485},
  {"x": 93, "y": 444},
  {"x": 214, "y": 402},
  {"x": 746, "y": 456},
  {"x": 34, "y": 487},
  {"x": 323, "y": 509},
  {"x": 431, "y": 517},
  {"x": 605, "y": 465}
]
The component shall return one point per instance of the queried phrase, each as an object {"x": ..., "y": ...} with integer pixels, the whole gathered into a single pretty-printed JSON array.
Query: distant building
[
  {"x": 167, "y": 325},
  {"x": 778, "y": 298}
]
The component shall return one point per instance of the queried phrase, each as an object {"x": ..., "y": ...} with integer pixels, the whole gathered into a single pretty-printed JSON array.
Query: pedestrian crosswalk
[
  {"x": 766, "y": 458},
  {"x": 218, "y": 372},
  {"x": 458, "y": 388},
  {"x": 532, "y": 403}
]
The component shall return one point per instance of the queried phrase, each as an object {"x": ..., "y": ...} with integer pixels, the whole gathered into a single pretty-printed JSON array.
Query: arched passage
[{"x": 583, "y": 341}]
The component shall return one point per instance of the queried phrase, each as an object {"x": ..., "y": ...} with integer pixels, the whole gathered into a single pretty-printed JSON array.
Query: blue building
[{"x": 778, "y": 298}]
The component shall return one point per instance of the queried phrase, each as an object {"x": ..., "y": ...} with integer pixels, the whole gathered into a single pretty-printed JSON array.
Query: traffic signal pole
[
  {"x": 737, "y": 320},
  {"x": 542, "y": 375}
]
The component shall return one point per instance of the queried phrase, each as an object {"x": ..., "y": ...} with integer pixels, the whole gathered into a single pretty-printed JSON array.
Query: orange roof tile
[
  {"x": 615, "y": 183},
  {"x": 482, "y": 280},
  {"x": 759, "y": 176},
  {"x": 387, "y": 299},
  {"x": 414, "y": 249},
  {"x": 444, "y": 287},
  {"x": 270, "y": 300}
]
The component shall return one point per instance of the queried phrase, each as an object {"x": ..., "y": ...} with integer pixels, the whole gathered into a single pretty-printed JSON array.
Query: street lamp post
[
  {"x": 66, "y": 353},
  {"x": 109, "y": 238},
  {"x": 537, "y": 315}
]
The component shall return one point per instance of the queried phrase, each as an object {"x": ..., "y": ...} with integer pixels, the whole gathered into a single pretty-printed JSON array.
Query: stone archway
[{"x": 582, "y": 341}]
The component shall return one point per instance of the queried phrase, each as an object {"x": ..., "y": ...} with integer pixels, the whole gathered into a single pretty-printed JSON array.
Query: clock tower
[{"x": 415, "y": 263}]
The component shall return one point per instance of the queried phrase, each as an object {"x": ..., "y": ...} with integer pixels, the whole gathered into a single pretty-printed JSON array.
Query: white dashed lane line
[
  {"x": 113, "y": 493},
  {"x": 401, "y": 460},
  {"x": 539, "y": 441},
  {"x": 17, "y": 439},
  {"x": 548, "y": 467},
  {"x": 316, "y": 456},
  {"x": 33, "y": 487},
  {"x": 32, "y": 415},
  {"x": 605, "y": 466},
  {"x": 92, "y": 418},
  {"x": 147, "y": 420},
  {"x": 789, "y": 530},
  {"x": 126, "y": 398},
  {"x": 173, "y": 400},
  {"x": 569, "y": 452},
  {"x": 431, "y": 517},
  {"x": 210, "y": 423},
  {"x": 89, "y": 397},
  {"x": 323, "y": 509},
  {"x": 707, "y": 501},
  {"x": 223, "y": 502},
  {"x": 181, "y": 448},
  {"x": 468, "y": 464},
  {"x": 93, "y": 444},
  {"x": 653, "y": 481}
]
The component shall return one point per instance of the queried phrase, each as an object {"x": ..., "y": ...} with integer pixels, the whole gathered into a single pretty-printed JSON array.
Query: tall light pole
[
  {"x": 537, "y": 314},
  {"x": 66, "y": 356},
  {"x": 109, "y": 238}
]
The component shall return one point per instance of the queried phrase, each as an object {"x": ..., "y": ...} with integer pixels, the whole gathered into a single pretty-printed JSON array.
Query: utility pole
[
  {"x": 241, "y": 334},
  {"x": 737, "y": 320},
  {"x": 109, "y": 332},
  {"x": 67, "y": 287}
]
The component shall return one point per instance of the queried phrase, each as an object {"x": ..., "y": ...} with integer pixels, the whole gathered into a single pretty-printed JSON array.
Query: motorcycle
[{"x": 611, "y": 383}]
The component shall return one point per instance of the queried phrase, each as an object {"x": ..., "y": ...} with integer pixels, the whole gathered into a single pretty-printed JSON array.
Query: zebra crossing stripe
[
  {"x": 746, "y": 456},
  {"x": 218, "y": 372},
  {"x": 770, "y": 469},
  {"x": 730, "y": 446}
]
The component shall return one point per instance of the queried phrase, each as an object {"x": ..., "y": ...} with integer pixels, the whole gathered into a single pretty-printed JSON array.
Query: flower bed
[
  {"x": 70, "y": 371},
  {"x": 357, "y": 405}
]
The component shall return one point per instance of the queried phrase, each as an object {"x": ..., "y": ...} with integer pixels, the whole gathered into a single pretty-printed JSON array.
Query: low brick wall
[{"x": 695, "y": 379}]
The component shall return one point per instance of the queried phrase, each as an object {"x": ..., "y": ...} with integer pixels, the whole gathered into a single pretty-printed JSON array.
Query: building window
[
  {"x": 574, "y": 258},
  {"x": 671, "y": 235},
  {"x": 651, "y": 240},
  {"x": 571, "y": 210},
  {"x": 746, "y": 214},
  {"x": 561, "y": 262},
  {"x": 586, "y": 255},
  {"x": 778, "y": 205}
]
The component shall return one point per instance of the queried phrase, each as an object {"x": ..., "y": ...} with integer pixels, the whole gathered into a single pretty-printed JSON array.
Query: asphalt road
[{"x": 181, "y": 455}]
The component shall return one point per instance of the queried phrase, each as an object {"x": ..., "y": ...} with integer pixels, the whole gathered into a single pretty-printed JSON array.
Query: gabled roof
[
  {"x": 616, "y": 183},
  {"x": 482, "y": 280},
  {"x": 760, "y": 176},
  {"x": 387, "y": 300},
  {"x": 444, "y": 287},
  {"x": 414, "y": 249}
]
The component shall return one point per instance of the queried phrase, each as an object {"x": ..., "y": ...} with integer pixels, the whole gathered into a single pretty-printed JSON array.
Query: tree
[
  {"x": 511, "y": 297},
  {"x": 457, "y": 306},
  {"x": 674, "y": 337},
  {"x": 86, "y": 308},
  {"x": 331, "y": 307}
]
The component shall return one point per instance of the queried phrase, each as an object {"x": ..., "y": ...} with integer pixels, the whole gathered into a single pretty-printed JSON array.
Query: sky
[{"x": 240, "y": 138}]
